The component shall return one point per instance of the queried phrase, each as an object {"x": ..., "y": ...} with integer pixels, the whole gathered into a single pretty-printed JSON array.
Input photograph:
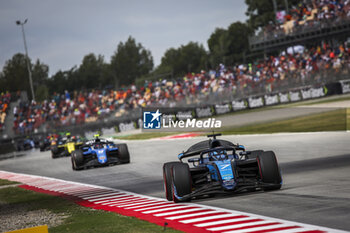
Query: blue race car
[
  {"x": 99, "y": 152},
  {"x": 217, "y": 167}
]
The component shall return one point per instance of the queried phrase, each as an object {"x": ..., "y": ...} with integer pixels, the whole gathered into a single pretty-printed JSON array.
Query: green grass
[
  {"x": 7, "y": 182},
  {"x": 335, "y": 120},
  {"x": 80, "y": 219}
]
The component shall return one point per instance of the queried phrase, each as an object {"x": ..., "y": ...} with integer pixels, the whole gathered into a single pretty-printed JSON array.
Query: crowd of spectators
[
  {"x": 308, "y": 14},
  {"x": 307, "y": 66},
  {"x": 65, "y": 109},
  {"x": 5, "y": 99}
]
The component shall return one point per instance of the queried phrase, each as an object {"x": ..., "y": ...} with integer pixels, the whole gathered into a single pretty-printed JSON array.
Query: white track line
[
  {"x": 156, "y": 207},
  {"x": 114, "y": 198},
  {"x": 101, "y": 197},
  {"x": 193, "y": 215},
  {"x": 207, "y": 224},
  {"x": 179, "y": 212},
  {"x": 138, "y": 203},
  {"x": 165, "y": 209},
  {"x": 91, "y": 196},
  {"x": 207, "y": 218},
  {"x": 140, "y": 206},
  {"x": 235, "y": 226},
  {"x": 273, "y": 227}
]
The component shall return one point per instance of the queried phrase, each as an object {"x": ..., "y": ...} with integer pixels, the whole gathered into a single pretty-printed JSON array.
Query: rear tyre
[
  {"x": 168, "y": 187},
  {"x": 77, "y": 160},
  {"x": 269, "y": 171},
  {"x": 123, "y": 153},
  {"x": 182, "y": 181},
  {"x": 54, "y": 152},
  {"x": 42, "y": 146},
  {"x": 254, "y": 153}
]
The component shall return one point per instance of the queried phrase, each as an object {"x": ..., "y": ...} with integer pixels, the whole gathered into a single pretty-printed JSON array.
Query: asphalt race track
[{"x": 315, "y": 168}]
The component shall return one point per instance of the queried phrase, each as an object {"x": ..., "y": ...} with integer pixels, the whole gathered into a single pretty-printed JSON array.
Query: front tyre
[
  {"x": 269, "y": 171},
  {"x": 168, "y": 187},
  {"x": 253, "y": 154},
  {"x": 182, "y": 181},
  {"x": 123, "y": 153},
  {"x": 77, "y": 159}
]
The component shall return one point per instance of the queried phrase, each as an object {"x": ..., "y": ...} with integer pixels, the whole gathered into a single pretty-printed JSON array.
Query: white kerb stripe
[
  {"x": 124, "y": 202},
  {"x": 156, "y": 207},
  {"x": 233, "y": 226},
  {"x": 301, "y": 230},
  {"x": 90, "y": 193},
  {"x": 95, "y": 195},
  {"x": 124, "y": 199},
  {"x": 129, "y": 202},
  {"x": 164, "y": 209},
  {"x": 179, "y": 212},
  {"x": 208, "y": 218},
  {"x": 273, "y": 227},
  {"x": 102, "y": 197},
  {"x": 207, "y": 224},
  {"x": 67, "y": 188},
  {"x": 52, "y": 186},
  {"x": 114, "y": 198},
  {"x": 78, "y": 190},
  {"x": 139, "y": 206},
  {"x": 192, "y": 215},
  {"x": 139, "y": 203}
]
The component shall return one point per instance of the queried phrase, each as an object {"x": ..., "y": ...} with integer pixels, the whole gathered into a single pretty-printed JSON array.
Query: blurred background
[{"x": 279, "y": 51}]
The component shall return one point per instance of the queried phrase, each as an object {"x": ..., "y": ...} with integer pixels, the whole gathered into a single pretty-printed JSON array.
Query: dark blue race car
[
  {"x": 99, "y": 152},
  {"x": 220, "y": 166}
]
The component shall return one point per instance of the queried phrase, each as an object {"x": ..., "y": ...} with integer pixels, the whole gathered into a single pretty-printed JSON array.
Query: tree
[
  {"x": 63, "y": 80},
  {"x": 187, "y": 58},
  {"x": 238, "y": 36},
  {"x": 228, "y": 46},
  {"x": 130, "y": 61},
  {"x": 15, "y": 74},
  {"x": 40, "y": 73},
  {"x": 90, "y": 72},
  {"x": 218, "y": 46}
]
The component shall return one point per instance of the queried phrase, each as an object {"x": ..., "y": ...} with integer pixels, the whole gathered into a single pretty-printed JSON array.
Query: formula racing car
[
  {"x": 220, "y": 166},
  {"x": 99, "y": 152},
  {"x": 65, "y": 146}
]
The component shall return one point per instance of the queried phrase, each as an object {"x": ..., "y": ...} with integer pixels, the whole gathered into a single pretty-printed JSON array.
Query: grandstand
[{"x": 307, "y": 23}]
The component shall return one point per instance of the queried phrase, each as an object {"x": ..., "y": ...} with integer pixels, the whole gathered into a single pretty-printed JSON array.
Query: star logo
[{"x": 156, "y": 115}]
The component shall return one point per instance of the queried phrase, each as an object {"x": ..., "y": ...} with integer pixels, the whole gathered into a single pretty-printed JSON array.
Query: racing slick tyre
[
  {"x": 254, "y": 153},
  {"x": 77, "y": 159},
  {"x": 182, "y": 181},
  {"x": 168, "y": 180},
  {"x": 123, "y": 153},
  {"x": 269, "y": 171},
  {"x": 54, "y": 152},
  {"x": 42, "y": 146}
]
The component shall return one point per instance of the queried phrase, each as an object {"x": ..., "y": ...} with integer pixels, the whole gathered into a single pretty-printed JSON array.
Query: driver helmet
[
  {"x": 97, "y": 137},
  {"x": 98, "y": 146}
]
